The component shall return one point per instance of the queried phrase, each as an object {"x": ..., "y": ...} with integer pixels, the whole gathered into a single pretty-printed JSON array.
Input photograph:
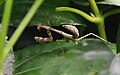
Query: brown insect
[{"x": 71, "y": 28}]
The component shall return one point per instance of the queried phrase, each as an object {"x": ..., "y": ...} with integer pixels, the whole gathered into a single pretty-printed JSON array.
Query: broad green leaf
[
  {"x": 64, "y": 58},
  {"x": 107, "y": 2},
  {"x": 80, "y": 60},
  {"x": 46, "y": 14},
  {"x": 118, "y": 40},
  {"x": 37, "y": 55}
]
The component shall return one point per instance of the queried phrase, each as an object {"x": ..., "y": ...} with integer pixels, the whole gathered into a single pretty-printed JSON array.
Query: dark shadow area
[{"x": 27, "y": 37}]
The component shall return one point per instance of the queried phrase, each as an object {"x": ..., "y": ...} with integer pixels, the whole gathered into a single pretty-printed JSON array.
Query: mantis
[{"x": 71, "y": 28}]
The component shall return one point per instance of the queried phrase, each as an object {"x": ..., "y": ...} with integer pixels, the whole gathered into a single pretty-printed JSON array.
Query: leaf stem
[
  {"x": 5, "y": 22},
  {"x": 98, "y": 19},
  {"x": 100, "y": 23},
  {"x": 94, "y": 8},
  {"x": 22, "y": 25},
  {"x": 101, "y": 29},
  {"x": 83, "y": 14},
  {"x": 19, "y": 30}
]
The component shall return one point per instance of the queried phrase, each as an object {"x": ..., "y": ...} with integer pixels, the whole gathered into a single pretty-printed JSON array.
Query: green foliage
[
  {"x": 46, "y": 14},
  {"x": 3, "y": 32},
  {"x": 90, "y": 55},
  {"x": 5, "y": 49}
]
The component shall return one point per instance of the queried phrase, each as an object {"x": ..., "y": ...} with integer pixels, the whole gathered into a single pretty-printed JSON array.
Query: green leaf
[
  {"x": 118, "y": 40},
  {"x": 107, "y": 2},
  {"x": 83, "y": 59},
  {"x": 61, "y": 57},
  {"x": 113, "y": 47},
  {"x": 45, "y": 15},
  {"x": 37, "y": 55}
]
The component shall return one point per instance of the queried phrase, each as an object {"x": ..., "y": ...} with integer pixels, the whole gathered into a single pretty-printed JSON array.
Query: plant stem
[
  {"x": 19, "y": 31},
  {"x": 101, "y": 29},
  {"x": 111, "y": 12},
  {"x": 100, "y": 23},
  {"x": 94, "y": 8},
  {"x": 5, "y": 22},
  {"x": 99, "y": 20},
  {"x": 22, "y": 25},
  {"x": 83, "y": 14}
]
